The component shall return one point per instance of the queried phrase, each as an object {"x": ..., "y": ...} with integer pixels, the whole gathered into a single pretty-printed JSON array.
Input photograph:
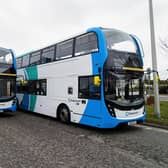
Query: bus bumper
[
  {"x": 11, "y": 108},
  {"x": 114, "y": 122}
]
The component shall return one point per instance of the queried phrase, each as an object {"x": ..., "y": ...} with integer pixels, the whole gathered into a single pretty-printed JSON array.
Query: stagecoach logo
[
  {"x": 131, "y": 113},
  {"x": 72, "y": 100}
]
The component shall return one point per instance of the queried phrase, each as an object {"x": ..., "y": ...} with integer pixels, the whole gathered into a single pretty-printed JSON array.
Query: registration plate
[{"x": 132, "y": 123}]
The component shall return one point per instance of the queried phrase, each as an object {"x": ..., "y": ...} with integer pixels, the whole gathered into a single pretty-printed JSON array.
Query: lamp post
[{"x": 154, "y": 61}]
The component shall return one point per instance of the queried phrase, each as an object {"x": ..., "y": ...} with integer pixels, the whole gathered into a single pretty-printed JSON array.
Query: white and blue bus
[
  {"x": 7, "y": 80},
  {"x": 95, "y": 79}
]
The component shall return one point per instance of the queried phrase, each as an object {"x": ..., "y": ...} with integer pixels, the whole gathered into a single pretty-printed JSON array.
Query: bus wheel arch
[{"x": 63, "y": 113}]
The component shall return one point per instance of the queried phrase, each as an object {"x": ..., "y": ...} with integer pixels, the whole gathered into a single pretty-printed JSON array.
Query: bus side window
[
  {"x": 25, "y": 61},
  {"x": 19, "y": 62},
  {"x": 48, "y": 54},
  {"x": 40, "y": 87},
  {"x": 22, "y": 88},
  {"x": 43, "y": 87},
  {"x": 35, "y": 58},
  {"x": 64, "y": 49},
  {"x": 31, "y": 87},
  {"x": 83, "y": 87},
  {"x": 86, "y": 44},
  {"x": 87, "y": 88}
]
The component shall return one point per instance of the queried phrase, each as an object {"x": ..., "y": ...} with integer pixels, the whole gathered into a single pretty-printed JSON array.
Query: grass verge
[{"x": 151, "y": 116}]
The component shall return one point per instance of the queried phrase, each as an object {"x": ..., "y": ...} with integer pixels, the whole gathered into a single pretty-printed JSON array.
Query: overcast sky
[{"x": 26, "y": 25}]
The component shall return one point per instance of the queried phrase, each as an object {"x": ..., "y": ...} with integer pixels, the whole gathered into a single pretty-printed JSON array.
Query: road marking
[{"x": 152, "y": 128}]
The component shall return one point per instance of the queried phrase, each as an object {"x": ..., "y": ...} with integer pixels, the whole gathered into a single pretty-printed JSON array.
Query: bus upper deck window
[{"x": 86, "y": 43}]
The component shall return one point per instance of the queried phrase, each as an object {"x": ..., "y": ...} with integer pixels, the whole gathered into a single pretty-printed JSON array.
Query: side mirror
[
  {"x": 20, "y": 79},
  {"x": 22, "y": 82},
  {"x": 97, "y": 81}
]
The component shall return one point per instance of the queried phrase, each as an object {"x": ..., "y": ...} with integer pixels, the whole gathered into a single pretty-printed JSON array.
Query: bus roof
[
  {"x": 29, "y": 52},
  {"x": 70, "y": 37}
]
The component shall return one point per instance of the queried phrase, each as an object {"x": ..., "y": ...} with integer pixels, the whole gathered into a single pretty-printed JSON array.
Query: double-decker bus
[
  {"x": 94, "y": 78},
  {"x": 7, "y": 80}
]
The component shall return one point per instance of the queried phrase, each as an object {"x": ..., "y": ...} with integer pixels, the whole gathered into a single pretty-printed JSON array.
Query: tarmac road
[{"x": 35, "y": 141}]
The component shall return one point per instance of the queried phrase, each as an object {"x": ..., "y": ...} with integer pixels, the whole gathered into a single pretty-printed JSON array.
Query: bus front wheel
[{"x": 63, "y": 114}]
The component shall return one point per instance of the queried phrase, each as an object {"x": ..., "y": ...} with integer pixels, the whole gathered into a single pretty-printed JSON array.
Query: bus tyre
[{"x": 63, "y": 114}]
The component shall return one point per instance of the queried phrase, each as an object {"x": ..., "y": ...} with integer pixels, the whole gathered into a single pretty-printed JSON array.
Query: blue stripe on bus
[
  {"x": 139, "y": 47},
  {"x": 25, "y": 74},
  {"x": 14, "y": 59},
  {"x": 93, "y": 107},
  {"x": 92, "y": 114},
  {"x": 25, "y": 102},
  {"x": 102, "y": 55}
]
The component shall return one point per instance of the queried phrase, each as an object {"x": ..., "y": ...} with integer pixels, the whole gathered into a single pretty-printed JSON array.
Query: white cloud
[{"x": 32, "y": 24}]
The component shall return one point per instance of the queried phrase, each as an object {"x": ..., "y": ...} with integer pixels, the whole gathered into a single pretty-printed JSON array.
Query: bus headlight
[
  {"x": 14, "y": 101},
  {"x": 111, "y": 110}
]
